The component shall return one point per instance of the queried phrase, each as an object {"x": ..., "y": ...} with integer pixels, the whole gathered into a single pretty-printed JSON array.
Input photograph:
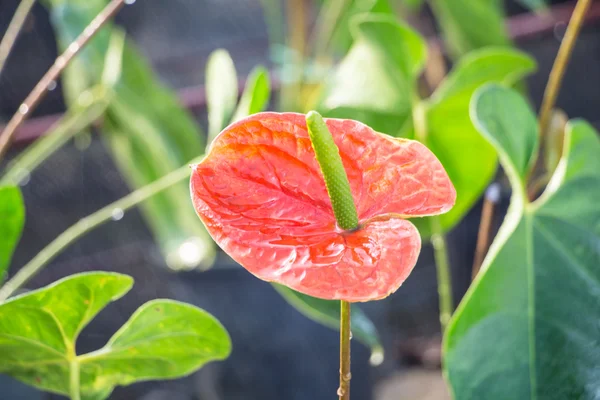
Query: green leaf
[
  {"x": 495, "y": 112},
  {"x": 12, "y": 220},
  {"x": 256, "y": 94},
  {"x": 163, "y": 339},
  {"x": 527, "y": 328},
  {"x": 327, "y": 312},
  {"x": 221, "y": 91},
  {"x": 470, "y": 24},
  {"x": 342, "y": 36},
  {"x": 374, "y": 83},
  {"x": 467, "y": 157},
  {"x": 143, "y": 123}
]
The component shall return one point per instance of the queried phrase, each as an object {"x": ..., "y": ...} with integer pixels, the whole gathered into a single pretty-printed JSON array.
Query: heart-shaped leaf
[
  {"x": 12, "y": 219},
  {"x": 327, "y": 312},
  {"x": 221, "y": 91},
  {"x": 527, "y": 328},
  {"x": 163, "y": 339}
]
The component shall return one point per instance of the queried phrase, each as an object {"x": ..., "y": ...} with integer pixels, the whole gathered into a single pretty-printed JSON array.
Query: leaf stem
[
  {"x": 87, "y": 224},
  {"x": 40, "y": 90},
  {"x": 442, "y": 263},
  {"x": 344, "y": 209},
  {"x": 13, "y": 30},
  {"x": 74, "y": 380},
  {"x": 560, "y": 64}
]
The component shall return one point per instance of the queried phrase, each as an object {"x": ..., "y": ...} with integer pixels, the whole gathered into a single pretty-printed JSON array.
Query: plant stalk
[
  {"x": 442, "y": 263},
  {"x": 345, "y": 336},
  {"x": 560, "y": 64},
  {"x": 40, "y": 90},
  {"x": 13, "y": 30},
  {"x": 293, "y": 68},
  {"x": 87, "y": 224},
  {"x": 74, "y": 380}
]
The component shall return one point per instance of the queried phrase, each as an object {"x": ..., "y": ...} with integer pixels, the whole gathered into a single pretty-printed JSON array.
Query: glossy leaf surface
[
  {"x": 261, "y": 195},
  {"x": 527, "y": 328},
  {"x": 143, "y": 123},
  {"x": 12, "y": 219},
  {"x": 163, "y": 339}
]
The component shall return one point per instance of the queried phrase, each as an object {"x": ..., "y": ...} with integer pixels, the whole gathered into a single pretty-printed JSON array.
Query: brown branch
[
  {"x": 13, "y": 30},
  {"x": 492, "y": 196},
  {"x": 40, "y": 90},
  {"x": 560, "y": 64}
]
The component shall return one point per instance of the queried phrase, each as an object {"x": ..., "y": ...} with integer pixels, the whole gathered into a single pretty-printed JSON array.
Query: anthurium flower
[{"x": 262, "y": 197}]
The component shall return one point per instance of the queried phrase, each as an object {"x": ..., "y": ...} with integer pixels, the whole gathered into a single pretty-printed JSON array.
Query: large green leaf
[
  {"x": 528, "y": 326},
  {"x": 221, "y": 91},
  {"x": 163, "y": 339},
  {"x": 374, "y": 83},
  {"x": 148, "y": 132},
  {"x": 327, "y": 312},
  {"x": 470, "y": 24},
  {"x": 12, "y": 219},
  {"x": 468, "y": 158}
]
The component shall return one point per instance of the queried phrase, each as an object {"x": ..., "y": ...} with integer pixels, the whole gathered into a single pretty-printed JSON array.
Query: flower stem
[
  {"x": 345, "y": 375},
  {"x": 13, "y": 30},
  {"x": 344, "y": 209},
  {"x": 560, "y": 64},
  {"x": 40, "y": 90},
  {"x": 87, "y": 224},
  {"x": 442, "y": 263}
]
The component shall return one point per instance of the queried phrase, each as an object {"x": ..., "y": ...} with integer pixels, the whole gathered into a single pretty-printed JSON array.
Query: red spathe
[{"x": 262, "y": 197}]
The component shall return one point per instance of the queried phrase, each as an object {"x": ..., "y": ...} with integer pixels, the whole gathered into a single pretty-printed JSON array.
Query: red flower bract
[{"x": 262, "y": 197}]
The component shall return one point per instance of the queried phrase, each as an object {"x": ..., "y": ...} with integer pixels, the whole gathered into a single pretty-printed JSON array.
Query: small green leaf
[
  {"x": 469, "y": 25},
  {"x": 221, "y": 91},
  {"x": 449, "y": 128},
  {"x": 12, "y": 220},
  {"x": 163, "y": 339},
  {"x": 327, "y": 312},
  {"x": 256, "y": 94},
  {"x": 374, "y": 83},
  {"x": 336, "y": 180},
  {"x": 527, "y": 328},
  {"x": 496, "y": 111}
]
